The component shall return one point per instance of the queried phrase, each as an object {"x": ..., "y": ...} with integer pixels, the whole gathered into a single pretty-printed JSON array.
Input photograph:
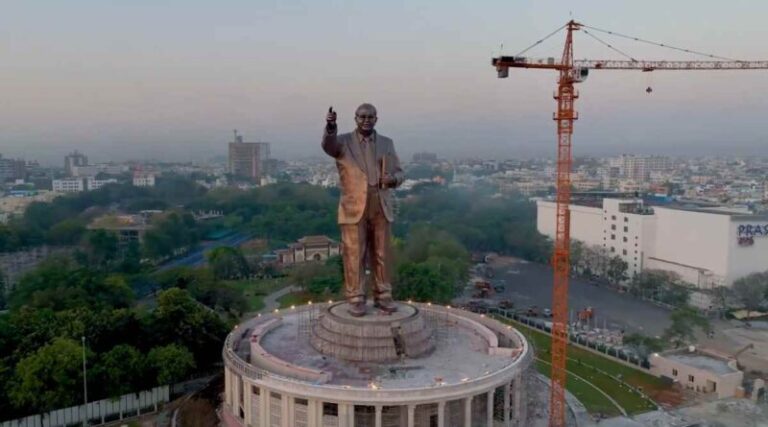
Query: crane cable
[
  {"x": 542, "y": 40},
  {"x": 609, "y": 46},
  {"x": 637, "y": 39}
]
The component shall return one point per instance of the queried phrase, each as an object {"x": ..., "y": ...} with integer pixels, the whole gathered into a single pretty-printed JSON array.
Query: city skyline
[{"x": 169, "y": 82}]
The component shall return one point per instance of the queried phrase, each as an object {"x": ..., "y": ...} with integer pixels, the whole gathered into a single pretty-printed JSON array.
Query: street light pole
[{"x": 85, "y": 384}]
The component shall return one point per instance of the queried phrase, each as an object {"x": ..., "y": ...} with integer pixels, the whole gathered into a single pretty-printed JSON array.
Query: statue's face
[{"x": 365, "y": 117}]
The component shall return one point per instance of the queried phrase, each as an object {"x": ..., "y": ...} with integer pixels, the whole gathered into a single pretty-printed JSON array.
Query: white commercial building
[
  {"x": 143, "y": 180},
  {"x": 706, "y": 247},
  {"x": 68, "y": 185},
  {"x": 95, "y": 184},
  {"x": 76, "y": 185}
]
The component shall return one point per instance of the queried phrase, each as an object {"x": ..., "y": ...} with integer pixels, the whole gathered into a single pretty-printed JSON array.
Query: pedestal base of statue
[{"x": 375, "y": 337}]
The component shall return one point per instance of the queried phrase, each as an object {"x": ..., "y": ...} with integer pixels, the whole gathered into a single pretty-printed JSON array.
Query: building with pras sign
[{"x": 705, "y": 246}]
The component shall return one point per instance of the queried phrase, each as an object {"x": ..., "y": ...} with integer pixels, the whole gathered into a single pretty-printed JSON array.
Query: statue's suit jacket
[{"x": 347, "y": 151}]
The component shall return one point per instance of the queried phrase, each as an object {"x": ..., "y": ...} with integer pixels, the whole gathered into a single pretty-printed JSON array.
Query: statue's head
[{"x": 365, "y": 117}]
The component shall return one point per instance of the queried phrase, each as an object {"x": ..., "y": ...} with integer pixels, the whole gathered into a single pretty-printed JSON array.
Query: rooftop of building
[
  {"x": 460, "y": 355},
  {"x": 594, "y": 199},
  {"x": 316, "y": 240},
  {"x": 124, "y": 221},
  {"x": 703, "y": 361}
]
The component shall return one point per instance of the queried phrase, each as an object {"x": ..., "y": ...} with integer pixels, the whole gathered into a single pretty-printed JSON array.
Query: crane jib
[{"x": 642, "y": 65}]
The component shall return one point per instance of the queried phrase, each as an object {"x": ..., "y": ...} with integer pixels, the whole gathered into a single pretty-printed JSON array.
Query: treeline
[
  {"x": 480, "y": 221},
  {"x": 429, "y": 266},
  {"x": 436, "y": 230},
  {"x": 130, "y": 345},
  {"x": 63, "y": 221},
  {"x": 280, "y": 213}
]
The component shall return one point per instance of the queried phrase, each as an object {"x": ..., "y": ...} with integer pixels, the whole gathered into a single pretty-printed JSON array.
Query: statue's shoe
[
  {"x": 357, "y": 309},
  {"x": 387, "y": 306}
]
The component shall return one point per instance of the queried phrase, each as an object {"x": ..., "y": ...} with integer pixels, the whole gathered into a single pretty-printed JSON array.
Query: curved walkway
[
  {"x": 270, "y": 301},
  {"x": 612, "y": 400}
]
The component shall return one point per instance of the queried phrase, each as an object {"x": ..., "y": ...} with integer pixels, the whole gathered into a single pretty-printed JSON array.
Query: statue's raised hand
[{"x": 330, "y": 119}]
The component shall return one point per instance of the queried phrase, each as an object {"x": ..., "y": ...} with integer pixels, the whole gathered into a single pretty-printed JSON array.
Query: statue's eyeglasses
[{"x": 365, "y": 117}]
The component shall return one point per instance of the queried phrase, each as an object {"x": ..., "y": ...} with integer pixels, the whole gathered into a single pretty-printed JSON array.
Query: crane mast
[
  {"x": 570, "y": 72},
  {"x": 561, "y": 263}
]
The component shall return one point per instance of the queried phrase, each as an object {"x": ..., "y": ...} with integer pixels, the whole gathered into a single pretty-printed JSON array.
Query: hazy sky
[{"x": 154, "y": 79}]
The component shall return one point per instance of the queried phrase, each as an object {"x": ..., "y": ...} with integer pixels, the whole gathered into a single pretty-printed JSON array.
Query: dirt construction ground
[{"x": 731, "y": 336}]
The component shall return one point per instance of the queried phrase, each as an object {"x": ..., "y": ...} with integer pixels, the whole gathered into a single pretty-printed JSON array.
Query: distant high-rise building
[
  {"x": 12, "y": 169},
  {"x": 639, "y": 168},
  {"x": 425, "y": 157},
  {"x": 74, "y": 159},
  {"x": 248, "y": 159}
]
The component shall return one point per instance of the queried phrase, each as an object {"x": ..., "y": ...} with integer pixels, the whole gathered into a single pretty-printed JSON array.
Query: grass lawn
[
  {"x": 581, "y": 361},
  {"x": 255, "y": 290},
  {"x": 294, "y": 298},
  {"x": 592, "y": 400},
  {"x": 301, "y": 298}
]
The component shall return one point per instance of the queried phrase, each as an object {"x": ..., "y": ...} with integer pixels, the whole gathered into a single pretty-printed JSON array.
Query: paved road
[
  {"x": 197, "y": 258},
  {"x": 529, "y": 284}
]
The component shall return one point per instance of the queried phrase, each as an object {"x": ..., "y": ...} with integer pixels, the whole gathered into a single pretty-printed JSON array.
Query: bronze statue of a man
[{"x": 368, "y": 169}]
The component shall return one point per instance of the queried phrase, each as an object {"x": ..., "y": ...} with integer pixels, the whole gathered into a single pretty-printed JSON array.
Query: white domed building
[{"x": 424, "y": 366}]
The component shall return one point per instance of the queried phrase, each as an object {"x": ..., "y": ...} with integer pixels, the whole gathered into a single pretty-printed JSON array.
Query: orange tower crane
[{"x": 576, "y": 71}]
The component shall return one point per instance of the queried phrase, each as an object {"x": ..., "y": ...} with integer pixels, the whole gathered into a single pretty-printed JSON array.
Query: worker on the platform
[{"x": 368, "y": 168}]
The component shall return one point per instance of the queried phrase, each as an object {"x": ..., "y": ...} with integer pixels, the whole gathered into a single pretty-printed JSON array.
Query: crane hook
[{"x": 648, "y": 90}]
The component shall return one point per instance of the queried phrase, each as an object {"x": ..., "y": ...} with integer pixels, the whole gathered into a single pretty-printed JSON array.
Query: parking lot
[{"x": 527, "y": 284}]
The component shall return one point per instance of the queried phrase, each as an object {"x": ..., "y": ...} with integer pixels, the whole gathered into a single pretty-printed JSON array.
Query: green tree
[
  {"x": 3, "y": 291},
  {"x": 721, "y": 297},
  {"x": 27, "y": 329},
  {"x": 50, "y": 378},
  {"x": 751, "y": 290},
  {"x": 227, "y": 263},
  {"x": 422, "y": 282},
  {"x": 42, "y": 215},
  {"x": 100, "y": 248},
  {"x": 661, "y": 285},
  {"x": 103, "y": 328},
  {"x": 59, "y": 284},
  {"x": 684, "y": 322},
  {"x": 182, "y": 320},
  {"x": 205, "y": 288},
  {"x": 170, "y": 235},
  {"x": 315, "y": 277},
  {"x": 577, "y": 255},
  {"x": 67, "y": 232},
  {"x": 171, "y": 363},
  {"x": 643, "y": 345},
  {"x": 131, "y": 262},
  {"x": 674, "y": 294},
  {"x": 121, "y": 370},
  {"x": 7, "y": 238},
  {"x": 324, "y": 285},
  {"x": 157, "y": 245},
  {"x": 617, "y": 270}
]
